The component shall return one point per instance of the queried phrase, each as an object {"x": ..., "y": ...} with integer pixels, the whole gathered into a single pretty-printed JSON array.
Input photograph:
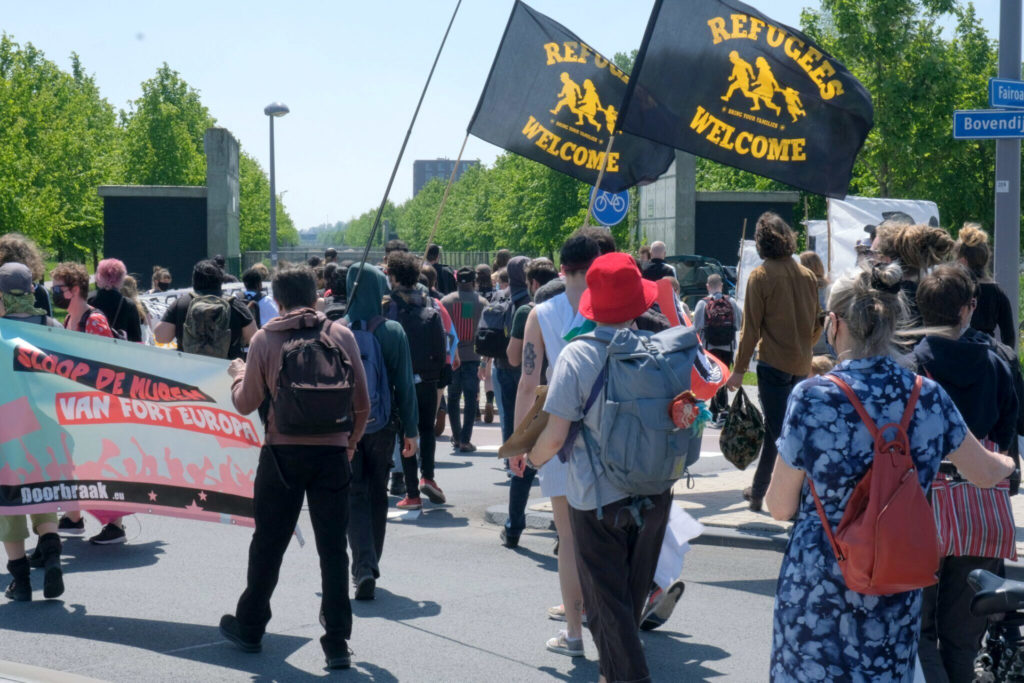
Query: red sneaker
[
  {"x": 432, "y": 491},
  {"x": 409, "y": 503}
]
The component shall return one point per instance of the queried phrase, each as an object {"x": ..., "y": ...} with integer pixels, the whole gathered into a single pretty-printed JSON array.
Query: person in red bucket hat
[
  {"x": 616, "y": 292},
  {"x": 616, "y": 554}
]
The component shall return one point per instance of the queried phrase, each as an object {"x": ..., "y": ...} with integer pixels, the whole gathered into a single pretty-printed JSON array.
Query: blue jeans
[
  {"x": 465, "y": 383},
  {"x": 506, "y": 384},
  {"x": 518, "y": 497},
  {"x": 518, "y": 487}
]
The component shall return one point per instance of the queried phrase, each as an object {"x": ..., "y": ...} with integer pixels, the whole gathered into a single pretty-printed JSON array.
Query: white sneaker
[{"x": 564, "y": 645}]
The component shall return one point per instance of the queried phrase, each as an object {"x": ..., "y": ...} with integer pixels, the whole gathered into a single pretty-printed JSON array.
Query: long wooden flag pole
[
  {"x": 600, "y": 177},
  {"x": 401, "y": 152},
  {"x": 444, "y": 198}
]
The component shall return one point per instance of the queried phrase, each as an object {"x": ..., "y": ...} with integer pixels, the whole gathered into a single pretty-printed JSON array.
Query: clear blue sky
[{"x": 350, "y": 70}]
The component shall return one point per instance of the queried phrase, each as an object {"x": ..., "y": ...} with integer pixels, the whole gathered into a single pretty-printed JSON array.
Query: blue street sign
[
  {"x": 988, "y": 124},
  {"x": 610, "y": 207},
  {"x": 1005, "y": 93}
]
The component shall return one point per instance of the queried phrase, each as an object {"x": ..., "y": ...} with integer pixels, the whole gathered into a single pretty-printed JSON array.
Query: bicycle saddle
[{"x": 994, "y": 595}]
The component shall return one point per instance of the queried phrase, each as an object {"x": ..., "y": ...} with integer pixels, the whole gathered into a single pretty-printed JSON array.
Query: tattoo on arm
[{"x": 529, "y": 358}]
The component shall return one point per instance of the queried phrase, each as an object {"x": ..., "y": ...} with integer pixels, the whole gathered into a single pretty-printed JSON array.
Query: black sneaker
[
  {"x": 35, "y": 560},
  {"x": 19, "y": 590},
  {"x": 111, "y": 534},
  {"x": 66, "y": 526},
  {"x": 231, "y": 629},
  {"x": 365, "y": 587},
  {"x": 338, "y": 657},
  {"x": 507, "y": 540},
  {"x": 398, "y": 484}
]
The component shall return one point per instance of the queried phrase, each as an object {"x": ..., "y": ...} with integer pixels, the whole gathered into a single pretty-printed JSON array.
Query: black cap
[{"x": 465, "y": 274}]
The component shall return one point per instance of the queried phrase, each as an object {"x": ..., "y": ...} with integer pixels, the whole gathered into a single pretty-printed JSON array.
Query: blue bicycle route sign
[{"x": 610, "y": 207}]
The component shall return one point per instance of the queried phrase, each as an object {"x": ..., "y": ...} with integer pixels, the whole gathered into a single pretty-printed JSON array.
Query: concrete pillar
[
  {"x": 685, "y": 238},
  {"x": 222, "y": 235}
]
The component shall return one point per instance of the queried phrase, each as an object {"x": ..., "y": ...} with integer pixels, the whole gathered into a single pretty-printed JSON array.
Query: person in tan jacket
[
  {"x": 295, "y": 467},
  {"x": 783, "y": 319}
]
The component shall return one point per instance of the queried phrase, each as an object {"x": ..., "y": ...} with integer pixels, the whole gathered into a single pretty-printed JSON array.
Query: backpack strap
[
  {"x": 83, "y": 322},
  {"x": 576, "y": 427},
  {"x": 373, "y": 323},
  {"x": 857, "y": 405},
  {"x": 908, "y": 412},
  {"x": 117, "y": 313}
]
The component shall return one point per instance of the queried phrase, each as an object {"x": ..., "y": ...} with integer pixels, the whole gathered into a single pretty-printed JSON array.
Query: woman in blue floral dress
[{"x": 822, "y": 630}]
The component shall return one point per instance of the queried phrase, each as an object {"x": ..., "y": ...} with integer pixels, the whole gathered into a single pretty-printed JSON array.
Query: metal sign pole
[{"x": 1006, "y": 254}]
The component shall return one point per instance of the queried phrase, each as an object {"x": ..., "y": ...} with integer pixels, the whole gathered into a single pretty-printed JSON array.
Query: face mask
[
  {"x": 163, "y": 286},
  {"x": 61, "y": 298}
]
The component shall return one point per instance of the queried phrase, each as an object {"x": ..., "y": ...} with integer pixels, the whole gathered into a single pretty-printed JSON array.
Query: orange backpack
[{"x": 886, "y": 541}]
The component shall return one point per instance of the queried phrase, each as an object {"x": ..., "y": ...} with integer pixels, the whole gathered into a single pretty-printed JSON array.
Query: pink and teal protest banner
[{"x": 89, "y": 423}]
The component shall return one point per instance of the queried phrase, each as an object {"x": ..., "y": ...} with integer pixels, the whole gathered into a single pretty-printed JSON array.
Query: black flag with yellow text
[
  {"x": 552, "y": 98},
  {"x": 718, "y": 79}
]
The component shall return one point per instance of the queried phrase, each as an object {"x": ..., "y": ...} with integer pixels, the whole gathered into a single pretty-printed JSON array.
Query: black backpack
[
  {"x": 254, "y": 309},
  {"x": 445, "y": 278},
  {"x": 719, "y": 321},
  {"x": 315, "y": 384},
  {"x": 495, "y": 329},
  {"x": 423, "y": 327},
  {"x": 336, "y": 309}
]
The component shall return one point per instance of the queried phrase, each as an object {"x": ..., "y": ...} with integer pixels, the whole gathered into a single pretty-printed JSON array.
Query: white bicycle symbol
[{"x": 605, "y": 200}]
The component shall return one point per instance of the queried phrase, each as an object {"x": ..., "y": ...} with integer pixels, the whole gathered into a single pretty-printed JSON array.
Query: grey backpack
[
  {"x": 640, "y": 450},
  {"x": 207, "y": 329}
]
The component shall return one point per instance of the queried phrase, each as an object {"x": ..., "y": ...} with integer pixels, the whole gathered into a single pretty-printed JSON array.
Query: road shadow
[
  {"x": 440, "y": 518},
  {"x": 449, "y": 465},
  {"x": 368, "y": 672},
  {"x": 545, "y": 561},
  {"x": 672, "y": 657},
  {"x": 81, "y": 556},
  {"x": 192, "y": 642},
  {"x": 582, "y": 670},
  {"x": 393, "y": 607},
  {"x": 766, "y": 587}
]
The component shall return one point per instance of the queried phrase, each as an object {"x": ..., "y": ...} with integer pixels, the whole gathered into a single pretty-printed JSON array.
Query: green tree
[
  {"x": 254, "y": 209},
  {"x": 164, "y": 133},
  {"x": 58, "y": 141},
  {"x": 917, "y": 76}
]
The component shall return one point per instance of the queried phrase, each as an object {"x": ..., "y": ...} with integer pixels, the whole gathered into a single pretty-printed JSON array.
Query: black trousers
[
  {"x": 950, "y": 634},
  {"x": 368, "y": 502},
  {"x": 774, "y": 387},
  {"x": 321, "y": 474},
  {"x": 616, "y": 562},
  {"x": 426, "y": 402},
  {"x": 720, "y": 402}
]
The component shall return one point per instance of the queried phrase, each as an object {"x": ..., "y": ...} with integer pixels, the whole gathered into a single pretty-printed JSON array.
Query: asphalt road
[{"x": 452, "y": 604}]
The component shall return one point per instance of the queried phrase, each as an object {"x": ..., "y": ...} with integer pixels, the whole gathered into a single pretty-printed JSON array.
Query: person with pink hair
[
  {"x": 123, "y": 318},
  {"x": 122, "y": 315}
]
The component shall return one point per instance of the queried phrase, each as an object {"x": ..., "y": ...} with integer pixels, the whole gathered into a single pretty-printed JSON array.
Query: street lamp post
[{"x": 273, "y": 111}]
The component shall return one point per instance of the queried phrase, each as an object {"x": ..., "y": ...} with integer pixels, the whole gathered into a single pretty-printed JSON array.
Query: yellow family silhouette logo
[
  {"x": 760, "y": 87},
  {"x": 585, "y": 103}
]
